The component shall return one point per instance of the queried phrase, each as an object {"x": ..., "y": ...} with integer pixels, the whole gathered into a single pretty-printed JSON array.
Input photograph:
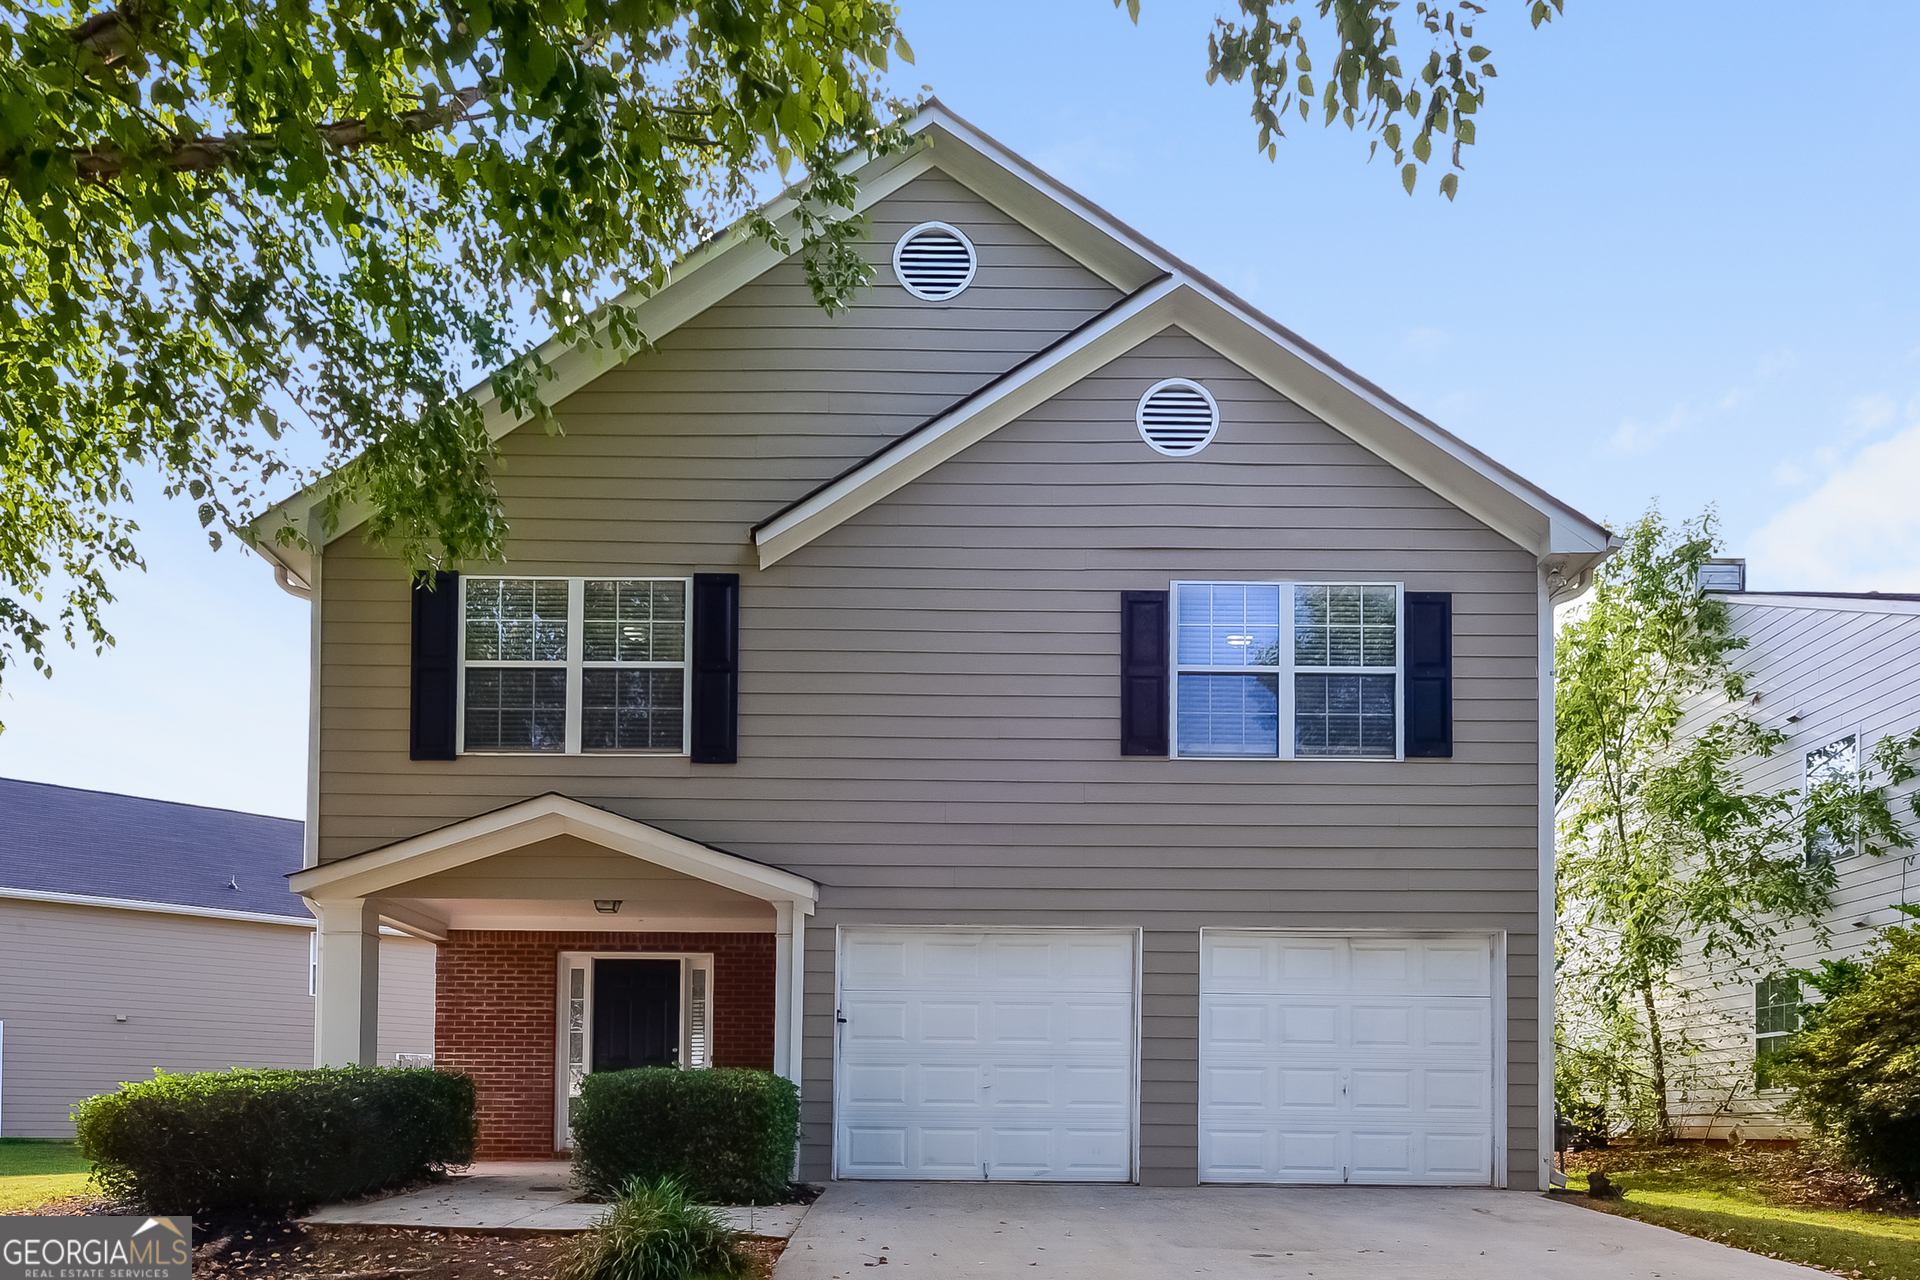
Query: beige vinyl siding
[
  {"x": 406, "y": 998},
  {"x": 929, "y": 693},
  {"x": 199, "y": 994},
  {"x": 1843, "y": 667}
]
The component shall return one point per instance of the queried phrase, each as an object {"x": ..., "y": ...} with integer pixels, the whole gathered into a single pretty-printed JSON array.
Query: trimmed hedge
[
  {"x": 727, "y": 1134},
  {"x": 272, "y": 1142}
]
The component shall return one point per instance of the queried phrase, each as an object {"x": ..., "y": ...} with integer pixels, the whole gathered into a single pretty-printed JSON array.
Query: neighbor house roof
[
  {"x": 1159, "y": 290},
  {"x": 1837, "y": 601},
  {"x": 66, "y": 843}
]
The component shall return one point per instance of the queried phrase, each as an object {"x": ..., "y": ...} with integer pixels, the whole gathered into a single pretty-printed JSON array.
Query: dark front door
[{"x": 636, "y": 1014}]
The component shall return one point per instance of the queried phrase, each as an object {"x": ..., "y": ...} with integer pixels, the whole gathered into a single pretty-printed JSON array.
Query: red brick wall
[{"x": 495, "y": 1018}]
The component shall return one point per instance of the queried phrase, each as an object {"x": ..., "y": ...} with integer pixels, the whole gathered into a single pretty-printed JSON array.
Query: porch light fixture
[{"x": 607, "y": 906}]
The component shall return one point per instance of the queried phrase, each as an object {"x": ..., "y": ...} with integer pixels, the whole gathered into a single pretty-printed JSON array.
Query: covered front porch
[{"x": 570, "y": 939}]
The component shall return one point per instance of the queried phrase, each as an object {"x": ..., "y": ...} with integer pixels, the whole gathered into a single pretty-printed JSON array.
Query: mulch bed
[
  {"x": 1792, "y": 1176},
  {"x": 289, "y": 1251}
]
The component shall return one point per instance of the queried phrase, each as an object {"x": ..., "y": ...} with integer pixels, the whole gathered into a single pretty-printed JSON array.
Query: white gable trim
[
  {"x": 1125, "y": 326},
  {"x": 378, "y": 871},
  {"x": 1439, "y": 461},
  {"x": 157, "y": 908},
  {"x": 1112, "y": 251}
]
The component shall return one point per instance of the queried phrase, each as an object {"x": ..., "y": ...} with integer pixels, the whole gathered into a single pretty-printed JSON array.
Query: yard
[
  {"x": 1783, "y": 1204},
  {"x": 34, "y": 1171}
]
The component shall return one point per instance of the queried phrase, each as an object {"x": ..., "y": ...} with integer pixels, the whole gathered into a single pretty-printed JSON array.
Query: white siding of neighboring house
[
  {"x": 1842, "y": 667},
  {"x": 198, "y": 993}
]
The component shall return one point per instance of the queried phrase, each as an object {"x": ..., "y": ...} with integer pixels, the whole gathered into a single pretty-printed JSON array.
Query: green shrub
[
  {"x": 1855, "y": 1066},
  {"x": 728, "y": 1135},
  {"x": 655, "y": 1232},
  {"x": 271, "y": 1142}
]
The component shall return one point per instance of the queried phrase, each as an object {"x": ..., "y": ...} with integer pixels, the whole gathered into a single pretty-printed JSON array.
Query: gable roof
[
  {"x": 1160, "y": 291},
  {"x": 1837, "y": 601},
  {"x": 539, "y": 818},
  {"x": 97, "y": 844}
]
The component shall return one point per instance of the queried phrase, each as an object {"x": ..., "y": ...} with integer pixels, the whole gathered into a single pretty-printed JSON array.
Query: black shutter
[
  {"x": 1143, "y": 673},
  {"x": 436, "y": 667},
  {"x": 1429, "y": 655},
  {"x": 715, "y": 701}
]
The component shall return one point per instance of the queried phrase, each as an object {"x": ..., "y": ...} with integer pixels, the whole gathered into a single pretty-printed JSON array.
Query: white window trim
[
  {"x": 1806, "y": 781},
  {"x": 571, "y": 960},
  {"x": 576, "y": 662},
  {"x": 1286, "y": 668}
]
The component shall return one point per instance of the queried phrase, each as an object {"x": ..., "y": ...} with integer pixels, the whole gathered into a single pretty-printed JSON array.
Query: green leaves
[
  {"x": 1668, "y": 854},
  {"x": 223, "y": 218},
  {"x": 1367, "y": 89}
]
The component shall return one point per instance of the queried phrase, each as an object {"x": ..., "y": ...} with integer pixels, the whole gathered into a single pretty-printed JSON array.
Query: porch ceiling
[{"x": 553, "y": 884}]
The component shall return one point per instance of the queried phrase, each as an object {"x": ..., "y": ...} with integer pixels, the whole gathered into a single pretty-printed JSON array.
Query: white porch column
[
  {"x": 784, "y": 1063},
  {"x": 797, "y": 995},
  {"x": 346, "y": 1007}
]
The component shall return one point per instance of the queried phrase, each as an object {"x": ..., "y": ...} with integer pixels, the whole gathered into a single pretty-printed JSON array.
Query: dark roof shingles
[{"x": 65, "y": 840}]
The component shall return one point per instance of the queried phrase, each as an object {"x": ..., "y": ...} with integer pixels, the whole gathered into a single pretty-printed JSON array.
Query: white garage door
[
  {"x": 986, "y": 1054},
  {"x": 1346, "y": 1059}
]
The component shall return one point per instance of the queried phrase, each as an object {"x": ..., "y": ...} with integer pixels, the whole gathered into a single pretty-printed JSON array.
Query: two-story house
[
  {"x": 1062, "y": 719},
  {"x": 1835, "y": 672}
]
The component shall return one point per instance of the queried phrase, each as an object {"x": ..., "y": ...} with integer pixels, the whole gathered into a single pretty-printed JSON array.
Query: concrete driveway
[{"x": 935, "y": 1231}]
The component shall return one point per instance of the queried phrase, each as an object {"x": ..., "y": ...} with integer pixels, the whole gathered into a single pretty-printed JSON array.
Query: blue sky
[{"x": 1682, "y": 267}]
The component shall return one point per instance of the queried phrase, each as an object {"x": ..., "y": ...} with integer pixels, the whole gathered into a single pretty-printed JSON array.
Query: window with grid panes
[
  {"x": 1286, "y": 670},
  {"x": 574, "y": 664},
  {"x": 1836, "y": 763},
  {"x": 1776, "y": 1020}
]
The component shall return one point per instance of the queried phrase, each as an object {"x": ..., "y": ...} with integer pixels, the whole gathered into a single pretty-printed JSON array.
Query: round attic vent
[
  {"x": 1177, "y": 417},
  {"x": 933, "y": 262}
]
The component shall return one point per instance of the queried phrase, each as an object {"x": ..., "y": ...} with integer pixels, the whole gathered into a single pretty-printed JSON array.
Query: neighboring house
[
  {"x": 140, "y": 934},
  {"x": 1835, "y": 672},
  {"x": 1065, "y": 721}
]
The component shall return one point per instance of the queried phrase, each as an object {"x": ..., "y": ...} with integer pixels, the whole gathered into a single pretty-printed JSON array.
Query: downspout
[
  {"x": 1558, "y": 585},
  {"x": 290, "y": 584}
]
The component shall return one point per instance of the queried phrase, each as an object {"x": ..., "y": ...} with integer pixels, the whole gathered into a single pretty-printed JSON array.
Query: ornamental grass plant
[{"x": 654, "y": 1231}]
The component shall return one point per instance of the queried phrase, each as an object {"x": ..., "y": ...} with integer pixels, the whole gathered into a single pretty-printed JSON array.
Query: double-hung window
[
  {"x": 1286, "y": 670},
  {"x": 571, "y": 665},
  {"x": 1832, "y": 768},
  {"x": 1776, "y": 1020}
]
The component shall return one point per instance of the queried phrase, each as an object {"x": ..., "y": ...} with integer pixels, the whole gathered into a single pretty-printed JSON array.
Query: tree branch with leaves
[
  {"x": 247, "y": 245},
  {"x": 1404, "y": 104}
]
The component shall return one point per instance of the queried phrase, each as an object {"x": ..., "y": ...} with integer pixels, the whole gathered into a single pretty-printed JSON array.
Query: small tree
[
  {"x": 1663, "y": 844},
  {"x": 1855, "y": 1068}
]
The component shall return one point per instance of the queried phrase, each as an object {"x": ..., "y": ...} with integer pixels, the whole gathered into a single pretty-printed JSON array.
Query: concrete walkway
[
  {"x": 529, "y": 1197},
  {"x": 1001, "y": 1230}
]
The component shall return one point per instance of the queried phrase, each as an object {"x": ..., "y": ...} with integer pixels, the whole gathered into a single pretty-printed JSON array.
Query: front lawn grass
[
  {"x": 1780, "y": 1204},
  {"x": 35, "y": 1170}
]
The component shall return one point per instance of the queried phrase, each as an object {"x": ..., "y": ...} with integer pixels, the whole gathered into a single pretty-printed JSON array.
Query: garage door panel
[
  {"x": 877, "y": 1085},
  {"x": 881, "y": 1150},
  {"x": 1362, "y": 1059},
  {"x": 1457, "y": 1155},
  {"x": 1309, "y": 1154},
  {"x": 981, "y": 1054},
  {"x": 1459, "y": 1092}
]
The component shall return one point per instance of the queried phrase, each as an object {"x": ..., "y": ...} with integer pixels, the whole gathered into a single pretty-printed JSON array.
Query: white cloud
[
  {"x": 1859, "y": 531},
  {"x": 1641, "y": 437},
  {"x": 1427, "y": 342}
]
